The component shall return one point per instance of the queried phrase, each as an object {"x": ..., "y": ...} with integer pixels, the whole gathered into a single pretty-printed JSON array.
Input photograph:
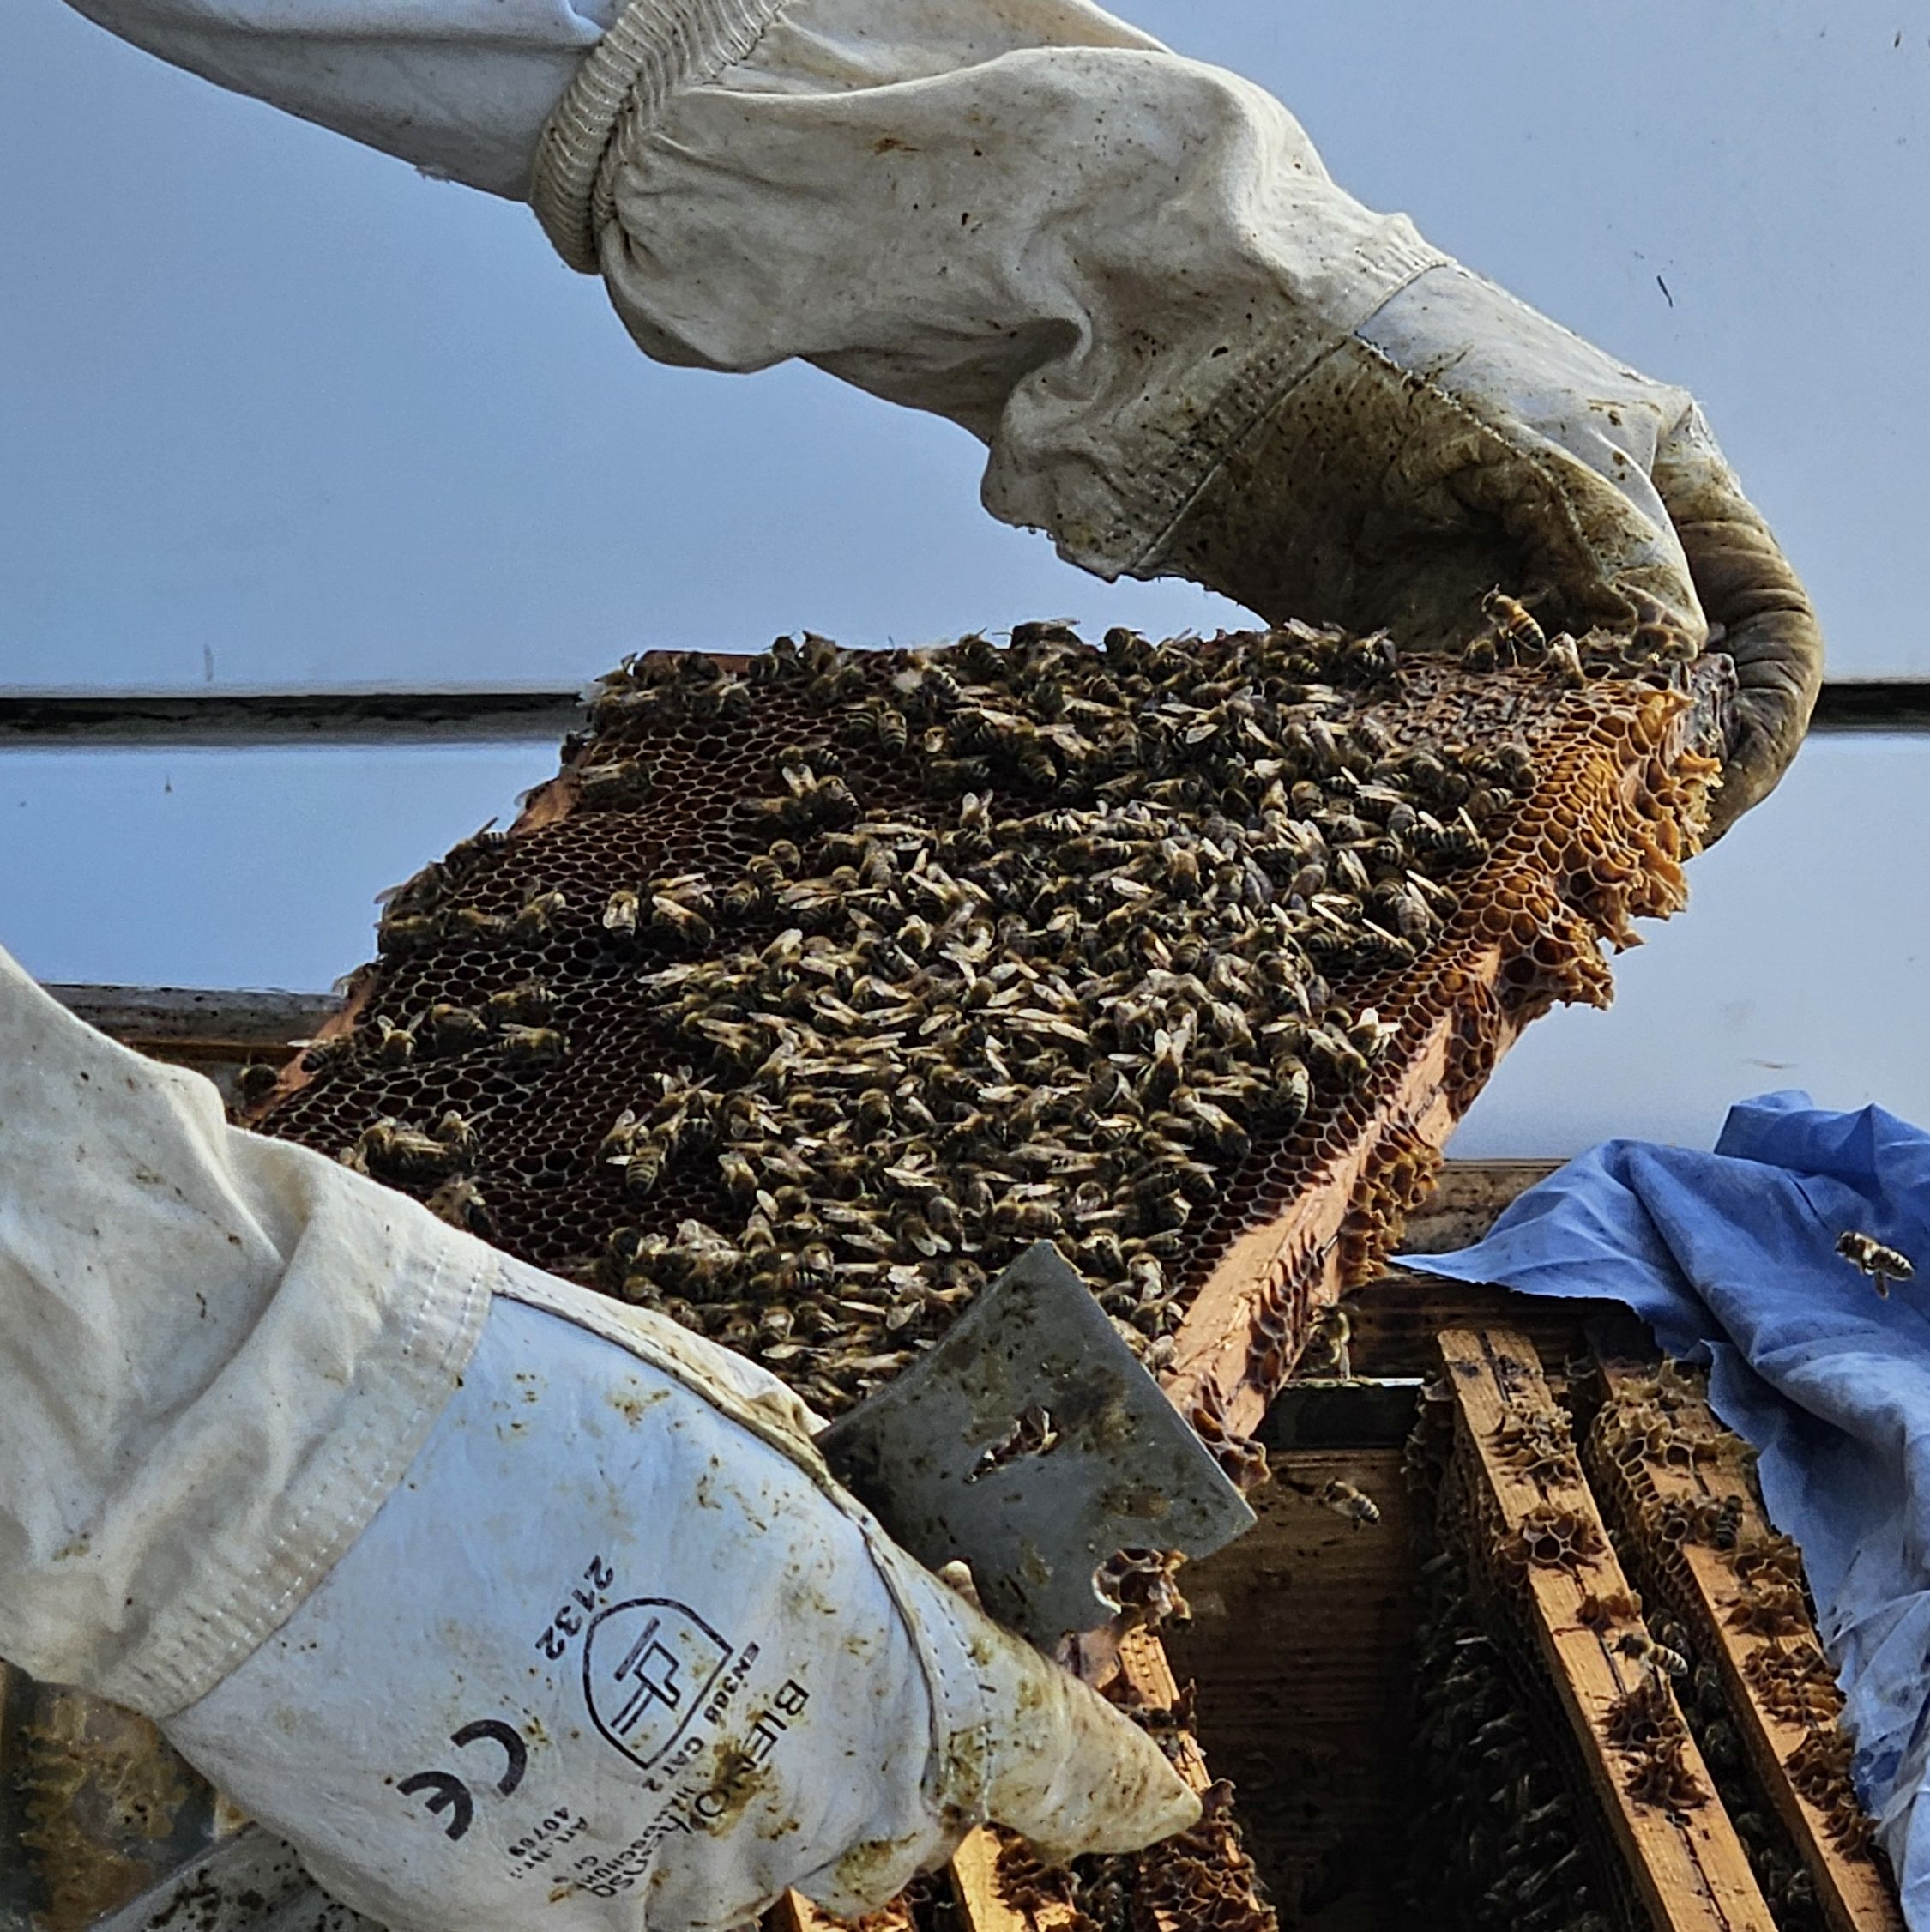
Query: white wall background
[{"x": 276, "y": 413}]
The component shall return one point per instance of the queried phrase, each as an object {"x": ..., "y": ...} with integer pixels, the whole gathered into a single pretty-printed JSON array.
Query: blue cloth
[{"x": 1730, "y": 1257}]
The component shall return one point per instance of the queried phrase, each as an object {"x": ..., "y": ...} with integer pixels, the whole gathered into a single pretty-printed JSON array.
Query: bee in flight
[
  {"x": 1346, "y": 1500},
  {"x": 1882, "y": 1265}
]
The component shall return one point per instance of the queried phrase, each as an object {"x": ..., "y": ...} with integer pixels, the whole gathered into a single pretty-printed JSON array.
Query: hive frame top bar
[{"x": 1249, "y": 1320}]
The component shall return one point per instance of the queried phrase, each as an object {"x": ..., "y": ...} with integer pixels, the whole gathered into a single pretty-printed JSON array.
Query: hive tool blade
[{"x": 1032, "y": 1444}]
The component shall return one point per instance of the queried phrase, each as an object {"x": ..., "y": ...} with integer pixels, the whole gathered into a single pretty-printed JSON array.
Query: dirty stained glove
[
  {"x": 1187, "y": 350},
  {"x": 1457, "y": 440},
  {"x": 507, "y": 1605}
]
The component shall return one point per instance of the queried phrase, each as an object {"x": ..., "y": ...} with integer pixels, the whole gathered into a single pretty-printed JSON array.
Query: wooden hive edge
[
  {"x": 1850, "y": 1888},
  {"x": 1688, "y": 1866},
  {"x": 1231, "y": 1357}
]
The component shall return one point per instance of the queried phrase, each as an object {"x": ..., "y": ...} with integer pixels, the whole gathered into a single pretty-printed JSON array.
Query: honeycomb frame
[{"x": 1621, "y": 776}]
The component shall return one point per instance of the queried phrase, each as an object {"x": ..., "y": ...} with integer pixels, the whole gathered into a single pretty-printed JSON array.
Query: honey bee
[
  {"x": 392, "y": 1151},
  {"x": 1345, "y": 1063},
  {"x": 532, "y": 1046},
  {"x": 1028, "y": 1219},
  {"x": 1515, "y": 629},
  {"x": 256, "y": 1081},
  {"x": 1328, "y": 1352},
  {"x": 620, "y": 1142},
  {"x": 814, "y": 1266},
  {"x": 889, "y": 723},
  {"x": 1291, "y": 1092},
  {"x": 1373, "y": 1035},
  {"x": 958, "y": 774},
  {"x": 319, "y": 1055},
  {"x": 1725, "y": 1526},
  {"x": 532, "y": 920},
  {"x": 607, "y": 787},
  {"x": 642, "y": 1165},
  {"x": 400, "y": 934},
  {"x": 764, "y": 876},
  {"x": 472, "y": 922},
  {"x": 1350, "y": 873},
  {"x": 394, "y": 1045},
  {"x": 1456, "y": 845},
  {"x": 936, "y": 686},
  {"x": 740, "y": 1176},
  {"x": 1511, "y": 765},
  {"x": 686, "y": 921},
  {"x": 1883, "y": 1264},
  {"x": 1346, "y": 1500},
  {"x": 529, "y": 1004},
  {"x": 1563, "y": 664},
  {"x": 446, "y": 1027},
  {"x": 461, "y": 861},
  {"x": 621, "y": 912},
  {"x": 1655, "y": 1658},
  {"x": 1403, "y": 909},
  {"x": 1222, "y": 1132},
  {"x": 460, "y": 1202},
  {"x": 1032, "y": 1435}
]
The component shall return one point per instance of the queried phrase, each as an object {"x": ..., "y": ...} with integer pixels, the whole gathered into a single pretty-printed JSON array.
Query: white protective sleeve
[
  {"x": 459, "y": 88},
  {"x": 502, "y": 1602},
  {"x": 1101, "y": 259},
  {"x": 219, "y": 1354}
]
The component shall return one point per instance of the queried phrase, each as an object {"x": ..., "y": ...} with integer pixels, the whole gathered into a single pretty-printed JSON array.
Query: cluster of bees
[
  {"x": 1063, "y": 994},
  {"x": 813, "y": 991},
  {"x": 1498, "y": 1839},
  {"x": 1787, "y": 1887},
  {"x": 1201, "y": 1877},
  {"x": 1662, "y": 1421},
  {"x": 1507, "y": 1826}
]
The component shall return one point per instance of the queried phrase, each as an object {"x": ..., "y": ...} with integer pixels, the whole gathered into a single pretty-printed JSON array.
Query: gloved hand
[
  {"x": 505, "y": 1604},
  {"x": 1186, "y": 349},
  {"x": 1457, "y": 441},
  {"x": 609, "y": 1655}
]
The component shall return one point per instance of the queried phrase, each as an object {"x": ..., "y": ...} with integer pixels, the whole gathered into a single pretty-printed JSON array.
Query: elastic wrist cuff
[{"x": 656, "y": 48}]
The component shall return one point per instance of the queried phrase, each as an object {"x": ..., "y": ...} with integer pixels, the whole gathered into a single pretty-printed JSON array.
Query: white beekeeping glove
[
  {"x": 507, "y": 1606},
  {"x": 1457, "y": 440},
  {"x": 1187, "y": 350}
]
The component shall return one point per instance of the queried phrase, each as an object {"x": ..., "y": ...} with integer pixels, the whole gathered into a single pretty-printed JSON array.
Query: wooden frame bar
[
  {"x": 1850, "y": 1888},
  {"x": 1688, "y": 1866}
]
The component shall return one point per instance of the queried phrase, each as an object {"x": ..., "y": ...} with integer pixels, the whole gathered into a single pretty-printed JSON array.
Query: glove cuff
[{"x": 655, "y": 47}]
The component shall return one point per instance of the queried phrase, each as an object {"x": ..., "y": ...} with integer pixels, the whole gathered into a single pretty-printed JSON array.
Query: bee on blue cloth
[{"x": 1882, "y": 1265}]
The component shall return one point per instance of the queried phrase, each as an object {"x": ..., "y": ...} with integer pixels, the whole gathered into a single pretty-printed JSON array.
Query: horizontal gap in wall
[{"x": 240, "y": 720}]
